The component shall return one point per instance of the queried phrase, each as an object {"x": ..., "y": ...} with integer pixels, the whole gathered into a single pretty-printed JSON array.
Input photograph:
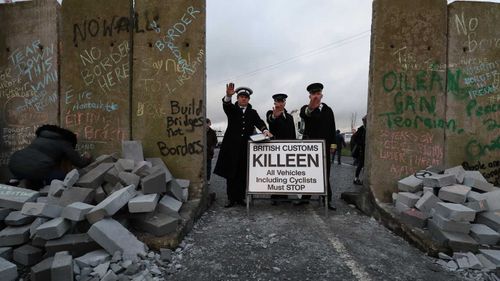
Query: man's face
[
  {"x": 243, "y": 100},
  {"x": 316, "y": 95},
  {"x": 279, "y": 104}
]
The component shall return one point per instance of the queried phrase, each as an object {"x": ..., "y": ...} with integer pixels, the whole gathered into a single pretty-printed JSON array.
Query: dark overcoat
[
  {"x": 282, "y": 128},
  {"x": 240, "y": 126},
  {"x": 45, "y": 153}
]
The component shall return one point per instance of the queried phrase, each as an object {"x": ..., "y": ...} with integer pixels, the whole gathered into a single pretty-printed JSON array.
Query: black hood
[{"x": 56, "y": 132}]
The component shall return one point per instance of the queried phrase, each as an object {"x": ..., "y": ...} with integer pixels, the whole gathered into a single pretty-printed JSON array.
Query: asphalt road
[{"x": 288, "y": 242}]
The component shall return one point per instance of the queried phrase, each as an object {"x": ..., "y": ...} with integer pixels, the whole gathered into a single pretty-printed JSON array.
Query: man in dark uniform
[
  {"x": 282, "y": 125},
  {"x": 319, "y": 124},
  {"x": 233, "y": 158}
]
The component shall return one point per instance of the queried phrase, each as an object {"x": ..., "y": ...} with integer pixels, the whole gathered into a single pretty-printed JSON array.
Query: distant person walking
[
  {"x": 358, "y": 140},
  {"x": 340, "y": 141},
  {"x": 319, "y": 124},
  {"x": 211, "y": 143},
  {"x": 232, "y": 162},
  {"x": 282, "y": 125}
]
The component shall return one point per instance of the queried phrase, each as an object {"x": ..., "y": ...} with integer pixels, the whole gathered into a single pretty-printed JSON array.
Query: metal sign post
[{"x": 287, "y": 167}]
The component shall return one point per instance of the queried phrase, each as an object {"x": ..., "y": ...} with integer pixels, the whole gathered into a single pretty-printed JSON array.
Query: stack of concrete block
[
  {"x": 69, "y": 219},
  {"x": 458, "y": 206}
]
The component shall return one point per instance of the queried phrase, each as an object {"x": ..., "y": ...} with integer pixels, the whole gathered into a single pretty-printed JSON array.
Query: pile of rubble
[
  {"x": 460, "y": 209},
  {"x": 77, "y": 229}
]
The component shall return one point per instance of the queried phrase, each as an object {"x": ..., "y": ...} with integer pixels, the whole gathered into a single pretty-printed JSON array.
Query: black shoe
[
  {"x": 297, "y": 203},
  {"x": 230, "y": 204},
  {"x": 241, "y": 202},
  {"x": 333, "y": 208},
  {"x": 358, "y": 182}
]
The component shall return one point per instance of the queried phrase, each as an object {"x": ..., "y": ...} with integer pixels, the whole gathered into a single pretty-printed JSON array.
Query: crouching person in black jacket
[{"x": 42, "y": 161}]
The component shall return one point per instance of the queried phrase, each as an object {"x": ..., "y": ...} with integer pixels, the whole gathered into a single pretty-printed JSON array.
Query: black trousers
[
  {"x": 328, "y": 187},
  {"x": 237, "y": 185}
]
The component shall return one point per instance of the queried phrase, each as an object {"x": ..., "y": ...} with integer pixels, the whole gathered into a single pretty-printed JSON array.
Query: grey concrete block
[
  {"x": 414, "y": 217},
  {"x": 410, "y": 184},
  {"x": 112, "y": 236},
  {"x": 53, "y": 229},
  {"x": 159, "y": 165},
  {"x": 95, "y": 177},
  {"x": 6, "y": 253},
  {"x": 93, "y": 258},
  {"x": 71, "y": 178},
  {"x": 104, "y": 158},
  {"x": 142, "y": 168},
  {"x": 76, "y": 244},
  {"x": 439, "y": 180},
  {"x": 41, "y": 210},
  {"x": 8, "y": 270},
  {"x": 109, "y": 276},
  {"x": 491, "y": 219},
  {"x": 102, "y": 269},
  {"x": 127, "y": 178},
  {"x": 476, "y": 180},
  {"x": 27, "y": 255},
  {"x": 455, "y": 212},
  {"x": 458, "y": 172},
  {"x": 76, "y": 211},
  {"x": 17, "y": 218},
  {"x": 174, "y": 188},
  {"x": 458, "y": 242},
  {"x": 474, "y": 262},
  {"x": 484, "y": 235},
  {"x": 143, "y": 203},
  {"x": 4, "y": 212},
  {"x": 427, "y": 189},
  {"x": 12, "y": 197},
  {"x": 111, "y": 204},
  {"x": 154, "y": 183},
  {"x": 77, "y": 194},
  {"x": 493, "y": 199},
  {"x": 491, "y": 255},
  {"x": 170, "y": 206},
  {"x": 487, "y": 264},
  {"x": 157, "y": 223},
  {"x": 35, "y": 224},
  {"x": 41, "y": 271},
  {"x": 62, "y": 267},
  {"x": 111, "y": 176},
  {"x": 185, "y": 194},
  {"x": 14, "y": 235},
  {"x": 100, "y": 195},
  {"x": 56, "y": 188},
  {"x": 478, "y": 206},
  {"x": 132, "y": 150},
  {"x": 456, "y": 193},
  {"x": 451, "y": 226},
  {"x": 427, "y": 202},
  {"x": 126, "y": 165},
  {"x": 473, "y": 196},
  {"x": 407, "y": 198}
]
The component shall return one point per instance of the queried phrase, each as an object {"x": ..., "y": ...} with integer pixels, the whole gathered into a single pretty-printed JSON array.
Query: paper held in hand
[{"x": 259, "y": 137}]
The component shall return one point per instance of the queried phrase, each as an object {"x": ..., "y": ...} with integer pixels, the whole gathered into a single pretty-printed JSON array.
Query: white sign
[{"x": 286, "y": 167}]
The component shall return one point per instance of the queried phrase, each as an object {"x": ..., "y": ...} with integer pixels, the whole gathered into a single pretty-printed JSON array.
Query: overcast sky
[{"x": 277, "y": 46}]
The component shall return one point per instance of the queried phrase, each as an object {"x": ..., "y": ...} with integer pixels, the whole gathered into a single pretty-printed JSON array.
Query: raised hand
[
  {"x": 230, "y": 89},
  {"x": 314, "y": 102},
  {"x": 277, "y": 111}
]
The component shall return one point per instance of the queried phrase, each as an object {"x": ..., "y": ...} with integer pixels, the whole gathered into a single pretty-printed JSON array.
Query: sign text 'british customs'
[{"x": 288, "y": 167}]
